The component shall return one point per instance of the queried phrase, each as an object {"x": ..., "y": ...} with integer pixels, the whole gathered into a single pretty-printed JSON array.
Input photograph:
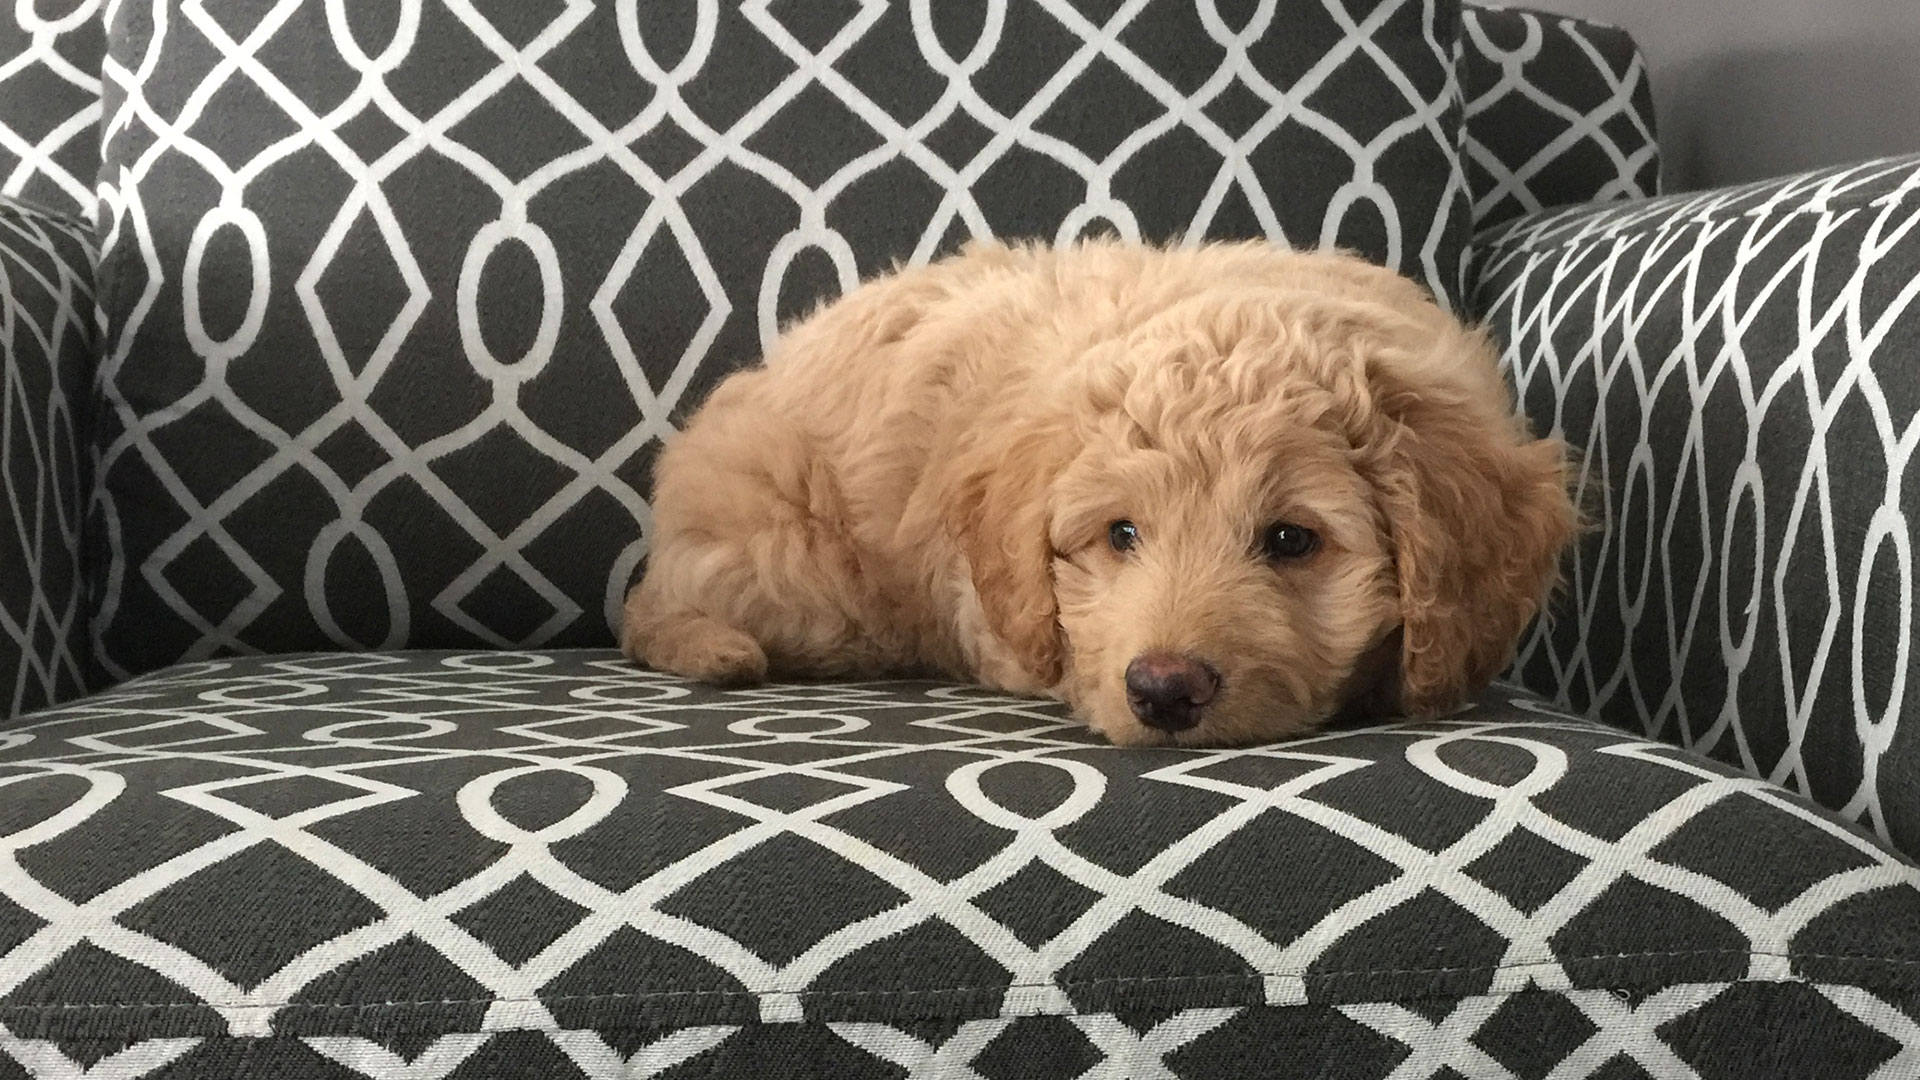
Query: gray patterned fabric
[
  {"x": 1738, "y": 368},
  {"x": 1559, "y": 111},
  {"x": 50, "y": 56},
  {"x": 399, "y": 311},
  {"x": 47, "y": 344},
  {"x": 333, "y": 416},
  {"x": 553, "y": 865}
]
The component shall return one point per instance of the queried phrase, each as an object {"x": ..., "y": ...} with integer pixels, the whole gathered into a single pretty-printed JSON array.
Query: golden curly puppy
[{"x": 1205, "y": 496}]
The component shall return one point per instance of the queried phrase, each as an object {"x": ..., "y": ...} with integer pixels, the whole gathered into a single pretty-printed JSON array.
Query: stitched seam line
[
  {"x": 119, "y": 1040},
  {"x": 1116, "y": 980}
]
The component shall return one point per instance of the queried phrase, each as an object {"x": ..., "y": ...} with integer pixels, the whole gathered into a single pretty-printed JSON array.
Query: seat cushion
[
  {"x": 555, "y": 865},
  {"x": 400, "y": 304}
]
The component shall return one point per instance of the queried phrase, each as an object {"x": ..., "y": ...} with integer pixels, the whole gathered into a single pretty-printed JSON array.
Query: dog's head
[{"x": 1263, "y": 507}]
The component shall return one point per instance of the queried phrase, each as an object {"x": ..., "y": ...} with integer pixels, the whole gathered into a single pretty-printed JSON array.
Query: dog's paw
[{"x": 704, "y": 649}]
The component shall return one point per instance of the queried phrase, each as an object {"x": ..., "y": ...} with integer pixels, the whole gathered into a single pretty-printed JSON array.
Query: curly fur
[{"x": 921, "y": 477}]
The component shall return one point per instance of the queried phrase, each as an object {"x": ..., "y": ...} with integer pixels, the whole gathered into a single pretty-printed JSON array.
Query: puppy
[{"x": 1206, "y": 497}]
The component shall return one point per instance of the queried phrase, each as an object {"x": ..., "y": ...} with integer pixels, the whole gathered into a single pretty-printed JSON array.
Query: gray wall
[{"x": 1748, "y": 89}]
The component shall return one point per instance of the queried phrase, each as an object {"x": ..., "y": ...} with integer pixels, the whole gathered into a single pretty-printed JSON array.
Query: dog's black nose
[{"x": 1169, "y": 691}]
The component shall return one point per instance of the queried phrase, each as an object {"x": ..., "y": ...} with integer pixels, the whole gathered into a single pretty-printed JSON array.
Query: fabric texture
[
  {"x": 1737, "y": 369},
  {"x": 554, "y": 864},
  {"x": 50, "y": 57},
  {"x": 1559, "y": 112},
  {"x": 399, "y": 310},
  {"x": 48, "y": 344}
]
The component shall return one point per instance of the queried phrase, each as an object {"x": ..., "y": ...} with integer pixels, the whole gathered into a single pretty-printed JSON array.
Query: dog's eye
[
  {"x": 1285, "y": 540},
  {"x": 1123, "y": 535}
]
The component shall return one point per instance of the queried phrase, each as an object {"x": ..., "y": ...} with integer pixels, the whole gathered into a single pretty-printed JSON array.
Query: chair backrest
[
  {"x": 398, "y": 307},
  {"x": 1558, "y": 110}
]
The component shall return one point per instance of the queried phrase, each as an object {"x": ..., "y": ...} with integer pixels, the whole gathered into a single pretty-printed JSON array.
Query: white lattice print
[
  {"x": 1731, "y": 365},
  {"x": 48, "y": 153},
  {"x": 1536, "y": 147},
  {"x": 296, "y": 751},
  {"x": 46, "y": 302},
  {"x": 579, "y": 310}
]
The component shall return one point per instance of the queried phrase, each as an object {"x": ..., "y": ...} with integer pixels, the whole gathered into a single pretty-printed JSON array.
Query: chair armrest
[
  {"x": 47, "y": 339},
  {"x": 1740, "y": 371}
]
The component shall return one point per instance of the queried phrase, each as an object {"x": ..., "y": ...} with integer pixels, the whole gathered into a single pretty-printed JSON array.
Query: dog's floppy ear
[
  {"x": 998, "y": 508},
  {"x": 1479, "y": 513}
]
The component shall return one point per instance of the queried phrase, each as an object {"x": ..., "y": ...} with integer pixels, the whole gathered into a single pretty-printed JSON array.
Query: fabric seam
[{"x": 951, "y": 990}]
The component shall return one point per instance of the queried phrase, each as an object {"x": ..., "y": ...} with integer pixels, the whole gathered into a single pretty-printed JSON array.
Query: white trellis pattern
[
  {"x": 1736, "y": 368},
  {"x": 404, "y": 864},
  {"x": 50, "y": 54},
  {"x": 389, "y": 268},
  {"x": 1563, "y": 145},
  {"x": 48, "y": 343},
  {"x": 1531, "y": 144},
  {"x": 48, "y": 154}
]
